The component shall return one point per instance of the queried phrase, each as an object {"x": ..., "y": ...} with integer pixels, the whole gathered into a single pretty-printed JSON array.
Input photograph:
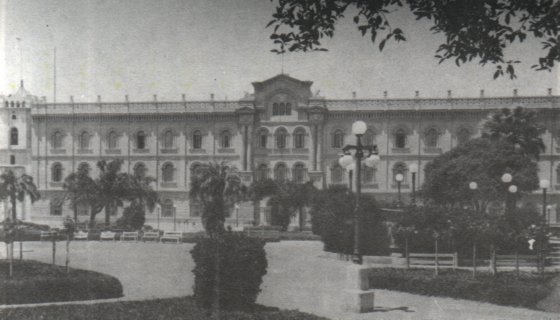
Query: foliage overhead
[
  {"x": 217, "y": 186},
  {"x": 473, "y": 30}
]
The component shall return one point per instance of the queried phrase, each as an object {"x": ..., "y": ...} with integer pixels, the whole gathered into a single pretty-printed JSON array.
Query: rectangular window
[{"x": 12, "y": 159}]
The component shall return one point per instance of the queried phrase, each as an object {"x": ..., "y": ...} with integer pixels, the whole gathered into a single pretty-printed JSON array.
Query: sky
[{"x": 140, "y": 48}]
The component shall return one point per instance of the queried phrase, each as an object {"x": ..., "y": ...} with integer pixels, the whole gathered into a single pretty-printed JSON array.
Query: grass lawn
[
  {"x": 172, "y": 308},
  {"x": 35, "y": 282},
  {"x": 504, "y": 289}
]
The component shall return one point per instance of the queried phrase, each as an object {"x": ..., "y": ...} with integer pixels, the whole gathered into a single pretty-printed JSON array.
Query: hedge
[
  {"x": 172, "y": 308},
  {"x": 504, "y": 289},
  {"x": 36, "y": 282}
]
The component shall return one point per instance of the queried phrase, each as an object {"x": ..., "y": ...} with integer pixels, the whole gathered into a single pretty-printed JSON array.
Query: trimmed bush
[
  {"x": 241, "y": 262},
  {"x": 36, "y": 282},
  {"x": 505, "y": 289}
]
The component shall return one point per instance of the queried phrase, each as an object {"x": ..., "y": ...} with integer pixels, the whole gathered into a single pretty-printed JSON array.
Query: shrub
[
  {"x": 35, "y": 282},
  {"x": 459, "y": 284},
  {"x": 241, "y": 264},
  {"x": 332, "y": 217},
  {"x": 133, "y": 217}
]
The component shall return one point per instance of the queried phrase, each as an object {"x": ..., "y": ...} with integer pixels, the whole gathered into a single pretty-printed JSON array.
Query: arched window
[
  {"x": 14, "y": 137},
  {"x": 168, "y": 139},
  {"x": 140, "y": 170},
  {"x": 299, "y": 173},
  {"x": 225, "y": 139},
  {"x": 197, "y": 140},
  {"x": 84, "y": 140},
  {"x": 23, "y": 104},
  {"x": 6, "y": 104},
  {"x": 12, "y": 104},
  {"x": 337, "y": 174},
  {"x": 431, "y": 138},
  {"x": 280, "y": 172},
  {"x": 463, "y": 136},
  {"x": 12, "y": 159},
  {"x": 84, "y": 168},
  {"x": 401, "y": 168},
  {"x": 400, "y": 138},
  {"x": 368, "y": 175},
  {"x": 281, "y": 138},
  {"x": 167, "y": 208},
  {"x": 112, "y": 140},
  {"x": 282, "y": 109},
  {"x": 14, "y": 117},
  {"x": 17, "y": 104},
  {"x": 140, "y": 140},
  {"x": 262, "y": 172},
  {"x": 288, "y": 109},
  {"x": 369, "y": 138},
  {"x": 275, "y": 109},
  {"x": 263, "y": 138},
  {"x": 167, "y": 172},
  {"x": 299, "y": 138},
  {"x": 558, "y": 175},
  {"x": 55, "y": 208},
  {"x": 56, "y": 140},
  {"x": 338, "y": 139},
  {"x": 56, "y": 172}
]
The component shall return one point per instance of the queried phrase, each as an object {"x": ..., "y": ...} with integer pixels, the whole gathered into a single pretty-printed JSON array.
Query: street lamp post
[
  {"x": 174, "y": 218},
  {"x": 236, "y": 215},
  {"x": 544, "y": 184},
  {"x": 399, "y": 177},
  {"x": 358, "y": 129},
  {"x": 413, "y": 170},
  {"x": 158, "y": 214},
  {"x": 507, "y": 178},
  {"x": 474, "y": 186}
]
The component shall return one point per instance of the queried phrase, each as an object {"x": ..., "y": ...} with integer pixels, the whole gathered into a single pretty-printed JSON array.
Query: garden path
[{"x": 299, "y": 277}]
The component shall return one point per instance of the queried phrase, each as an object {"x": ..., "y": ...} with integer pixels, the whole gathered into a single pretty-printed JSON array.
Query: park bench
[
  {"x": 266, "y": 235},
  {"x": 130, "y": 235},
  {"x": 511, "y": 260},
  {"x": 48, "y": 235},
  {"x": 150, "y": 236},
  {"x": 81, "y": 235},
  {"x": 172, "y": 235},
  {"x": 107, "y": 235},
  {"x": 445, "y": 260}
]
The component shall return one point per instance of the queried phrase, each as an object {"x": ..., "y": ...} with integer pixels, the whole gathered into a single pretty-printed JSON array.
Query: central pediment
[{"x": 282, "y": 84}]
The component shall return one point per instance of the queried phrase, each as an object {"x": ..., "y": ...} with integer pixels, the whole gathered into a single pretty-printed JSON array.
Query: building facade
[{"x": 283, "y": 131}]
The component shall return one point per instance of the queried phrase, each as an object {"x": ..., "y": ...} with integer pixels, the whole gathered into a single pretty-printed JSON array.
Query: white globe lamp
[
  {"x": 506, "y": 178},
  {"x": 359, "y": 128},
  {"x": 372, "y": 160}
]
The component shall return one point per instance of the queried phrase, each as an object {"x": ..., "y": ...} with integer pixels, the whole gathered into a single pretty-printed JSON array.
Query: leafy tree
[
  {"x": 218, "y": 187},
  {"x": 473, "y": 30},
  {"x": 482, "y": 161},
  {"x": 332, "y": 218},
  {"x": 519, "y": 127},
  {"x": 15, "y": 189}
]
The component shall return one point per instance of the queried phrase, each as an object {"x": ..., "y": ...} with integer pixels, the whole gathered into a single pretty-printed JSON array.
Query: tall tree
[
  {"x": 473, "y": 30},
  {"x": 483, "y": 161},
  {"x": 217, "y": 186},
  {"x": 519, "y": 127}
]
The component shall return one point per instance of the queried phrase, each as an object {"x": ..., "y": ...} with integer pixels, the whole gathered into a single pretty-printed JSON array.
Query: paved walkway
[{"x": 299, "y": 277}]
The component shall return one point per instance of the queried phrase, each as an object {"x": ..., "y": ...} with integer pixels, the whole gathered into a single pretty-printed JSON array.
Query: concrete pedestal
[{"x": 356, "y": 296}]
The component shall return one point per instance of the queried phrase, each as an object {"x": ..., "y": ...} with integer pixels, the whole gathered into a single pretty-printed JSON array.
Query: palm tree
[
  {"x": 81, "y": 189},
  {"x": 111, "y": 191},
  {"x": 519, "y": 127},
  {"x": 217, "y": 186},
  {"x": 138, "y": 190},
  {"x": 16, "y": 189}
]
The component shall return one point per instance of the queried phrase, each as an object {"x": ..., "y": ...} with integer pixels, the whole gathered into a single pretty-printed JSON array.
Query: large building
[{"x": 282, "y": 130}]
